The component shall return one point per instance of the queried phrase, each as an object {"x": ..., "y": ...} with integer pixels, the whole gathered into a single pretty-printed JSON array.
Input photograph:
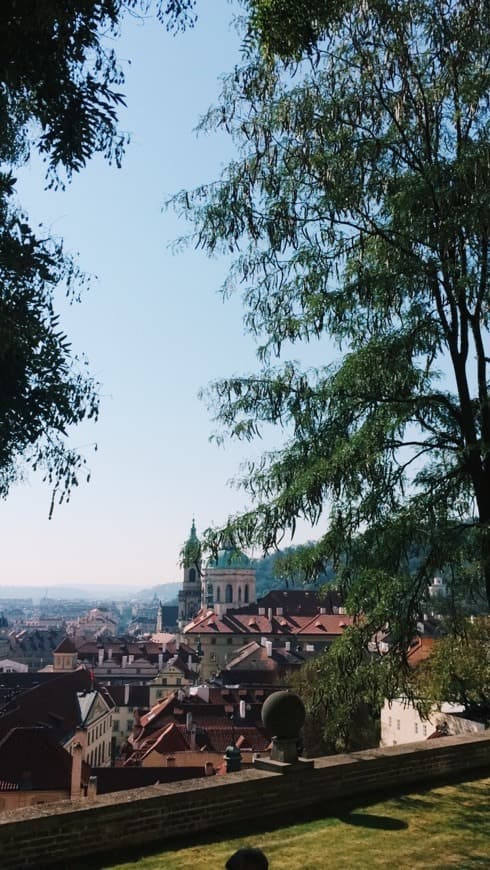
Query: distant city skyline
[{"x": 153, "y": 327}]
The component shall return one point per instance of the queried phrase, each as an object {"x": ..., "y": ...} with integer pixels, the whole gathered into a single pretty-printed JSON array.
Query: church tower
[{"x": 190, "y": 594}]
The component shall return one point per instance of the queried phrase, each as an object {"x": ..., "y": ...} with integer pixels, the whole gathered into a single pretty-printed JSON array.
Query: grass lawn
[{"x": 441, "y": 828}]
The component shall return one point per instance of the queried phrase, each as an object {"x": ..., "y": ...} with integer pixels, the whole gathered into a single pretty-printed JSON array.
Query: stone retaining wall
[{"x": 64, "y": 832}]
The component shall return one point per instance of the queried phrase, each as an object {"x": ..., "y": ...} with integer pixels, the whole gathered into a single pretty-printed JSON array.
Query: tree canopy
[
  {"x": 60, "y": 90},
  {"x": 357, "y": 211},
  {"x": 458, "y": 670}
]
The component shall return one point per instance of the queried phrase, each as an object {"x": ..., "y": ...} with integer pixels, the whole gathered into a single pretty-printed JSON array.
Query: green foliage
[
  {"x": 59, "y": 94},
  {"x": 288, "y": 27},
  {"x": 343, "y": 691},
  {"x": 277, "y": 571},
  {"x": 357, "y": 210},
  {"x": 357, "y": 213},
  {"x": 458, "y": 670}
]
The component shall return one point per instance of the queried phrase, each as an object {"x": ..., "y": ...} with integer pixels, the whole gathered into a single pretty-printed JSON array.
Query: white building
[{"x": 402, "y": 723}]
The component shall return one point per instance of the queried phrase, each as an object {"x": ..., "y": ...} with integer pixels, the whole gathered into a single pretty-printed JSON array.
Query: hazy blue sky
[{"x": 153, "y": 326}]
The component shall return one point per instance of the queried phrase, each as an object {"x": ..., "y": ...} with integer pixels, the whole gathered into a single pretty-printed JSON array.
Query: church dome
[{"x": 230, "y": 557}]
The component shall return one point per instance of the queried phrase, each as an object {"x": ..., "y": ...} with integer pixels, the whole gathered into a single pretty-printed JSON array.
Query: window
[
  {"x": 115, "y": 725},
  {"x": 218, "y": 594},
  {"x": 130, "y": 709},
  {"x": 130, "y": 724},
  {"x": 116, "y": 709},
  {"x": 239, "y": 593},
  {"x": 164, "y": 682},
  {"x": 229, "y": 593},
  {"x": 192, "y": 575},
  {"x": 178, "y": 681},
  {"x": 416, "y": 727},
  {"x": 397, "y": 724},
  {"x": 213, "y": 640},
  {"x": 389, "y": 722},
  {"x": 424, "y": 730},
  {"x": 229, "y": 641},
  {"x": 246, "y": 594}
]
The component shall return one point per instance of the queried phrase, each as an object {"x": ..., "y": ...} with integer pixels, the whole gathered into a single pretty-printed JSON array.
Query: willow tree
[{"x": 357, "y": 209}]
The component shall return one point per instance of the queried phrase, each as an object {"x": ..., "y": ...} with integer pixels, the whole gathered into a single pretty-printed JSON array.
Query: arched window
[
  {"x": 246, "y": 593},
  {"x": 239, "y": 593},
  {"x": 229, "y": 594},
  {"x": 192, "y": 575},
  {"x": 218, "y": 594}
]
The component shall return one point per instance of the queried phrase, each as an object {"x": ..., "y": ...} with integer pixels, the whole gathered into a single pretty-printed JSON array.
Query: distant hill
[
  {"x": 165, "y": 592},
  {"x": 268, "y": 579},
  {"x": 88, "y": 592}
]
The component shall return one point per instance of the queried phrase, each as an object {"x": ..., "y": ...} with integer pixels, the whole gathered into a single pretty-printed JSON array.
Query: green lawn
[{"x": 441, "y": 828}]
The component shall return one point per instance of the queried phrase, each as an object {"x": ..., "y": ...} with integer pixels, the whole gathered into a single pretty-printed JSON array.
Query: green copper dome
[{"x": 230, "y": 557}]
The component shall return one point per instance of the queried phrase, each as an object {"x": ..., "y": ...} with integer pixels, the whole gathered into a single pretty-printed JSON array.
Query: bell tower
[{"x": 190, "y": 594}]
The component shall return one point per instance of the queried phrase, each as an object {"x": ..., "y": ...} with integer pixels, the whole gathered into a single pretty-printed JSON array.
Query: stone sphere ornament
[{"x": 283, "y": 714}]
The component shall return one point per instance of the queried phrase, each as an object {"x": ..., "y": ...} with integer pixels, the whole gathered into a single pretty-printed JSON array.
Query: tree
[
  {"x": 59, "y": 94},
  {"x": 357, "y": 210},
  {"x": 458, "y": 670}
]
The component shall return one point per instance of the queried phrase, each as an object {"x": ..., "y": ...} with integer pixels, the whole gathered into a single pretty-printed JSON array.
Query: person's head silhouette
[{"x": 247, "y": 859}]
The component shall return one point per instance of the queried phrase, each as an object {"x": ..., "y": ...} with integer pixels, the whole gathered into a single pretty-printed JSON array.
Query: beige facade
[{"x": 229, "y": 588}]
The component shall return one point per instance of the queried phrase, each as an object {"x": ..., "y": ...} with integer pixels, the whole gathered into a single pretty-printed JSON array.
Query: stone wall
[{"x": 38, "y": 836}]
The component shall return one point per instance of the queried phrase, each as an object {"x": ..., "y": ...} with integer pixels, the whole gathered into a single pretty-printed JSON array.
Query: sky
[{"x": 153, "y": 327}]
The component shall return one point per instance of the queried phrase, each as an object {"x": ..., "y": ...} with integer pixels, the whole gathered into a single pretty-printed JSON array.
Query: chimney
[
  {"x": 268, "y": 646},
  {"x": 279, "y": 611},
  {"x": 126, "y": 694},
  {"x": 100, "y": 654},
  {"x": 124, "y": 662},
  {"x": 269, "y": 613},
  {"x": 243, "y": 712},
  {"x": 170, "y": 760},
  {"x": 130, "y": 660},
  {"x": 189, "y": 662},
  {"x": 261, "y": 611},
  {"x": 287, "y": 646},
  {"x": 323, "y": 611},
  {"x": 192, "y": 741},
  {"x": 109, "y": 653},
  {"x": 188, "y": 721},
  {"x": 263, "y": 641},
  {"x": 92, "y": 788},
  {"x": 78, "y": 755},
  {"x": 160, "y": 661}
]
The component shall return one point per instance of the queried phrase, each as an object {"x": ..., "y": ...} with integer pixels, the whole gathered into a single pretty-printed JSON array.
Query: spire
[{"x": 191, "y": 551}]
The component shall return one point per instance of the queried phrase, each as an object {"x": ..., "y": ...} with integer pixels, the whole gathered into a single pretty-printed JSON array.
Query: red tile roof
[
  {"x": 32, "y": 757},
  {"x": 421, "y": 649},
  {"x": 53, "y": 703}
]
